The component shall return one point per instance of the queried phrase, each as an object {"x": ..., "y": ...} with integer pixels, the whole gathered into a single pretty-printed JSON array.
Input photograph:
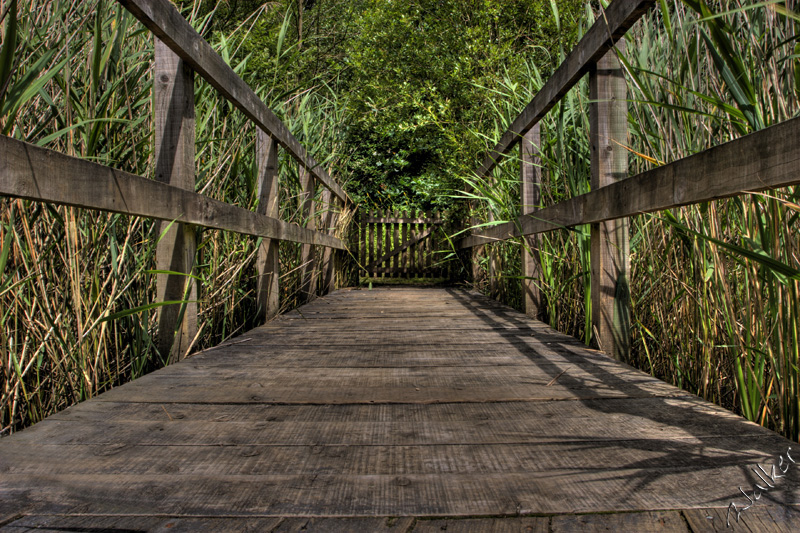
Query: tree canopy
[{"x": 412, "y": 83}]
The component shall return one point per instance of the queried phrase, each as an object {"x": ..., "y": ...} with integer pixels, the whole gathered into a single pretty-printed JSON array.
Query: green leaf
[
  {"x": 30, "y": 84},
  {"x": 171, "y": 273},
  {"x": 780, "y": 269},
  {"x": 9, "y": 46},
  {"x": 141, "y": 308},
  {"x": 6, "y": 248}
]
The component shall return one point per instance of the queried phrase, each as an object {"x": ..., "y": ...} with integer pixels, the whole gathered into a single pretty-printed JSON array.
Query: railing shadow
[{"x": 709, "y": 440}]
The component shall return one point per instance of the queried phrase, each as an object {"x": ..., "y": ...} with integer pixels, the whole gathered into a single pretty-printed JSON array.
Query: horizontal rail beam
[
  {"x": 617, "y": 19},
  {"x": 404, "y": 270},
  {"x": 766, "y": 159},
  {"x": 164, "y": 21},
  {"x": 34, "y": 173}
]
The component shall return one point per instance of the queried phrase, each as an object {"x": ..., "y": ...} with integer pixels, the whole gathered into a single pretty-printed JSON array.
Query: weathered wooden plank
[
  {"x": 495, "y": 269},
  {"x": 762, "y": 517},
  {"x": 610, "y": 246},
  {"x": 298, "y": 430},
  {"x": 257, "y": 392},
  {"x": 173, "y": 119},
  {"x": 131, "y": 524},
  {"x": 647, "y": 522},
  {"x": 610, "y": 26},
  {"x": 363, "y": 241},
  {"x": 395, "y": 250},
  {"x": 387, "y": 263},
  {"x": 371, "y": 243},
  {"x": 33, "y": 173},
  {"x": 406, "y": 258},
  {"x": 327, "y": 266},
  {"x": 413, "y": 251},
  {"x": 530, "y": 185},
  {"x": 651, "y": 416},
  {"x": 766, "y": 159},
  {"x": 379, "y": 228},
  {"x": 457, "y": 494},
  {"x": 345, "y": 525},
  {"x": 166, "y": 23},
  {"x": 8, "y": 517},
  {"x": 236, "y": 454},
  {"x": 532, "y": 524},
  {"x": 430, "y": 249},
  {"x": 475, "y": 253},
  {"x": 308, "y": 271},
  {"x": 268, "y": 262}
]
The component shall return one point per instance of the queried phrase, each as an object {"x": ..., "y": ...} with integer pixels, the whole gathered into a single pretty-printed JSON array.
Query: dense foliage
[{"x": 413, "y": 80}]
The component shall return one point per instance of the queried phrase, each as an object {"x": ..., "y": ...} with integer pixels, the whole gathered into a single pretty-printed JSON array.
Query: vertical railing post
[
  {"x": 371, "y": 242},
  {"x": 610, "y": 247},
  {"x": 364, "y": 239},
  {"x": 174, "y": 122},
  {"x": 530, "y": 196},
  {"x": 475, "y": 258},
  {"x": 268, "y": 263},
  {"x": 308, "y": 278},
  {"x": 494, "y": 266},
  {"x": 328, "y": 226}
]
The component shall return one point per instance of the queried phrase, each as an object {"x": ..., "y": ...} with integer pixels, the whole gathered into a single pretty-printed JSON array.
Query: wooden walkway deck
[{"x": 394, "y": 410}]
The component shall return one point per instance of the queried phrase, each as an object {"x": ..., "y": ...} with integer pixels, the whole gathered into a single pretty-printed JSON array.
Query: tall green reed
[
  {"x": 76, "y": 78},
  {"x": 715, "y": 306}
]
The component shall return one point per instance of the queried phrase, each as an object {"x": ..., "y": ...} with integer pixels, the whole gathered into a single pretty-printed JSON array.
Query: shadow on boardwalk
[{"x": 410, "y": 403}]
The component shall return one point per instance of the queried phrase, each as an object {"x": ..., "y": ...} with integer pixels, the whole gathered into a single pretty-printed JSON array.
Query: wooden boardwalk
[{"x": 394, "y": 410}]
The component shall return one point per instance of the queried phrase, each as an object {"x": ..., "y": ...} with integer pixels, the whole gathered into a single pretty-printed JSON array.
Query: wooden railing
[
  {"x": 35, "y": 173},
  {"x": 769, "y": 158},
  {"x": 399, "y": 245}
]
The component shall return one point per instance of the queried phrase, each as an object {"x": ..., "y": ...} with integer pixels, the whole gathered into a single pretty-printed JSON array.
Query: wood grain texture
[
  {"x": 33, "y": 173},
  {"x": 174, "y": 125},
  {"x": 363, "y": 237},
  {"x": 368, "y": 404},
  {"x": 371, "y": 244},
  {"x": 530, "y": 200},
  {"x": 166, "y": 23},
  {"x": 766, "y": 159},
  {"x": 268, "y": 262},
  {"x": 538, "y": 524},
  {"x": 308, "y": 254},
  {"x": 768, "y": 518},
  {"x": 328, "y": 264},
  {"x": 648, "y": 522},
  {"x": 610, "y": 243},
  {"x": 610, "y": 26},
  {"x": 760, "y": 518}
]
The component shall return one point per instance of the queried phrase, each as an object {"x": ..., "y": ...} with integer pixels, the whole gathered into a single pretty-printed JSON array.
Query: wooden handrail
[
  {"x": 35, "y": 173},
  {"x": 166, "y": 23},
  {"x": 766, "y": 159},
  {"x": 615, "y": 21}
]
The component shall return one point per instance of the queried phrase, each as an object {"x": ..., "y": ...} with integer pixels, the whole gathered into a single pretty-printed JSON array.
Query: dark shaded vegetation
[{"x": 413, "y": 81}]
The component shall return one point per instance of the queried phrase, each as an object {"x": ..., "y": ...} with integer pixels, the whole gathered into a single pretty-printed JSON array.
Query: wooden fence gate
[{"x": 401, "y": 245}]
